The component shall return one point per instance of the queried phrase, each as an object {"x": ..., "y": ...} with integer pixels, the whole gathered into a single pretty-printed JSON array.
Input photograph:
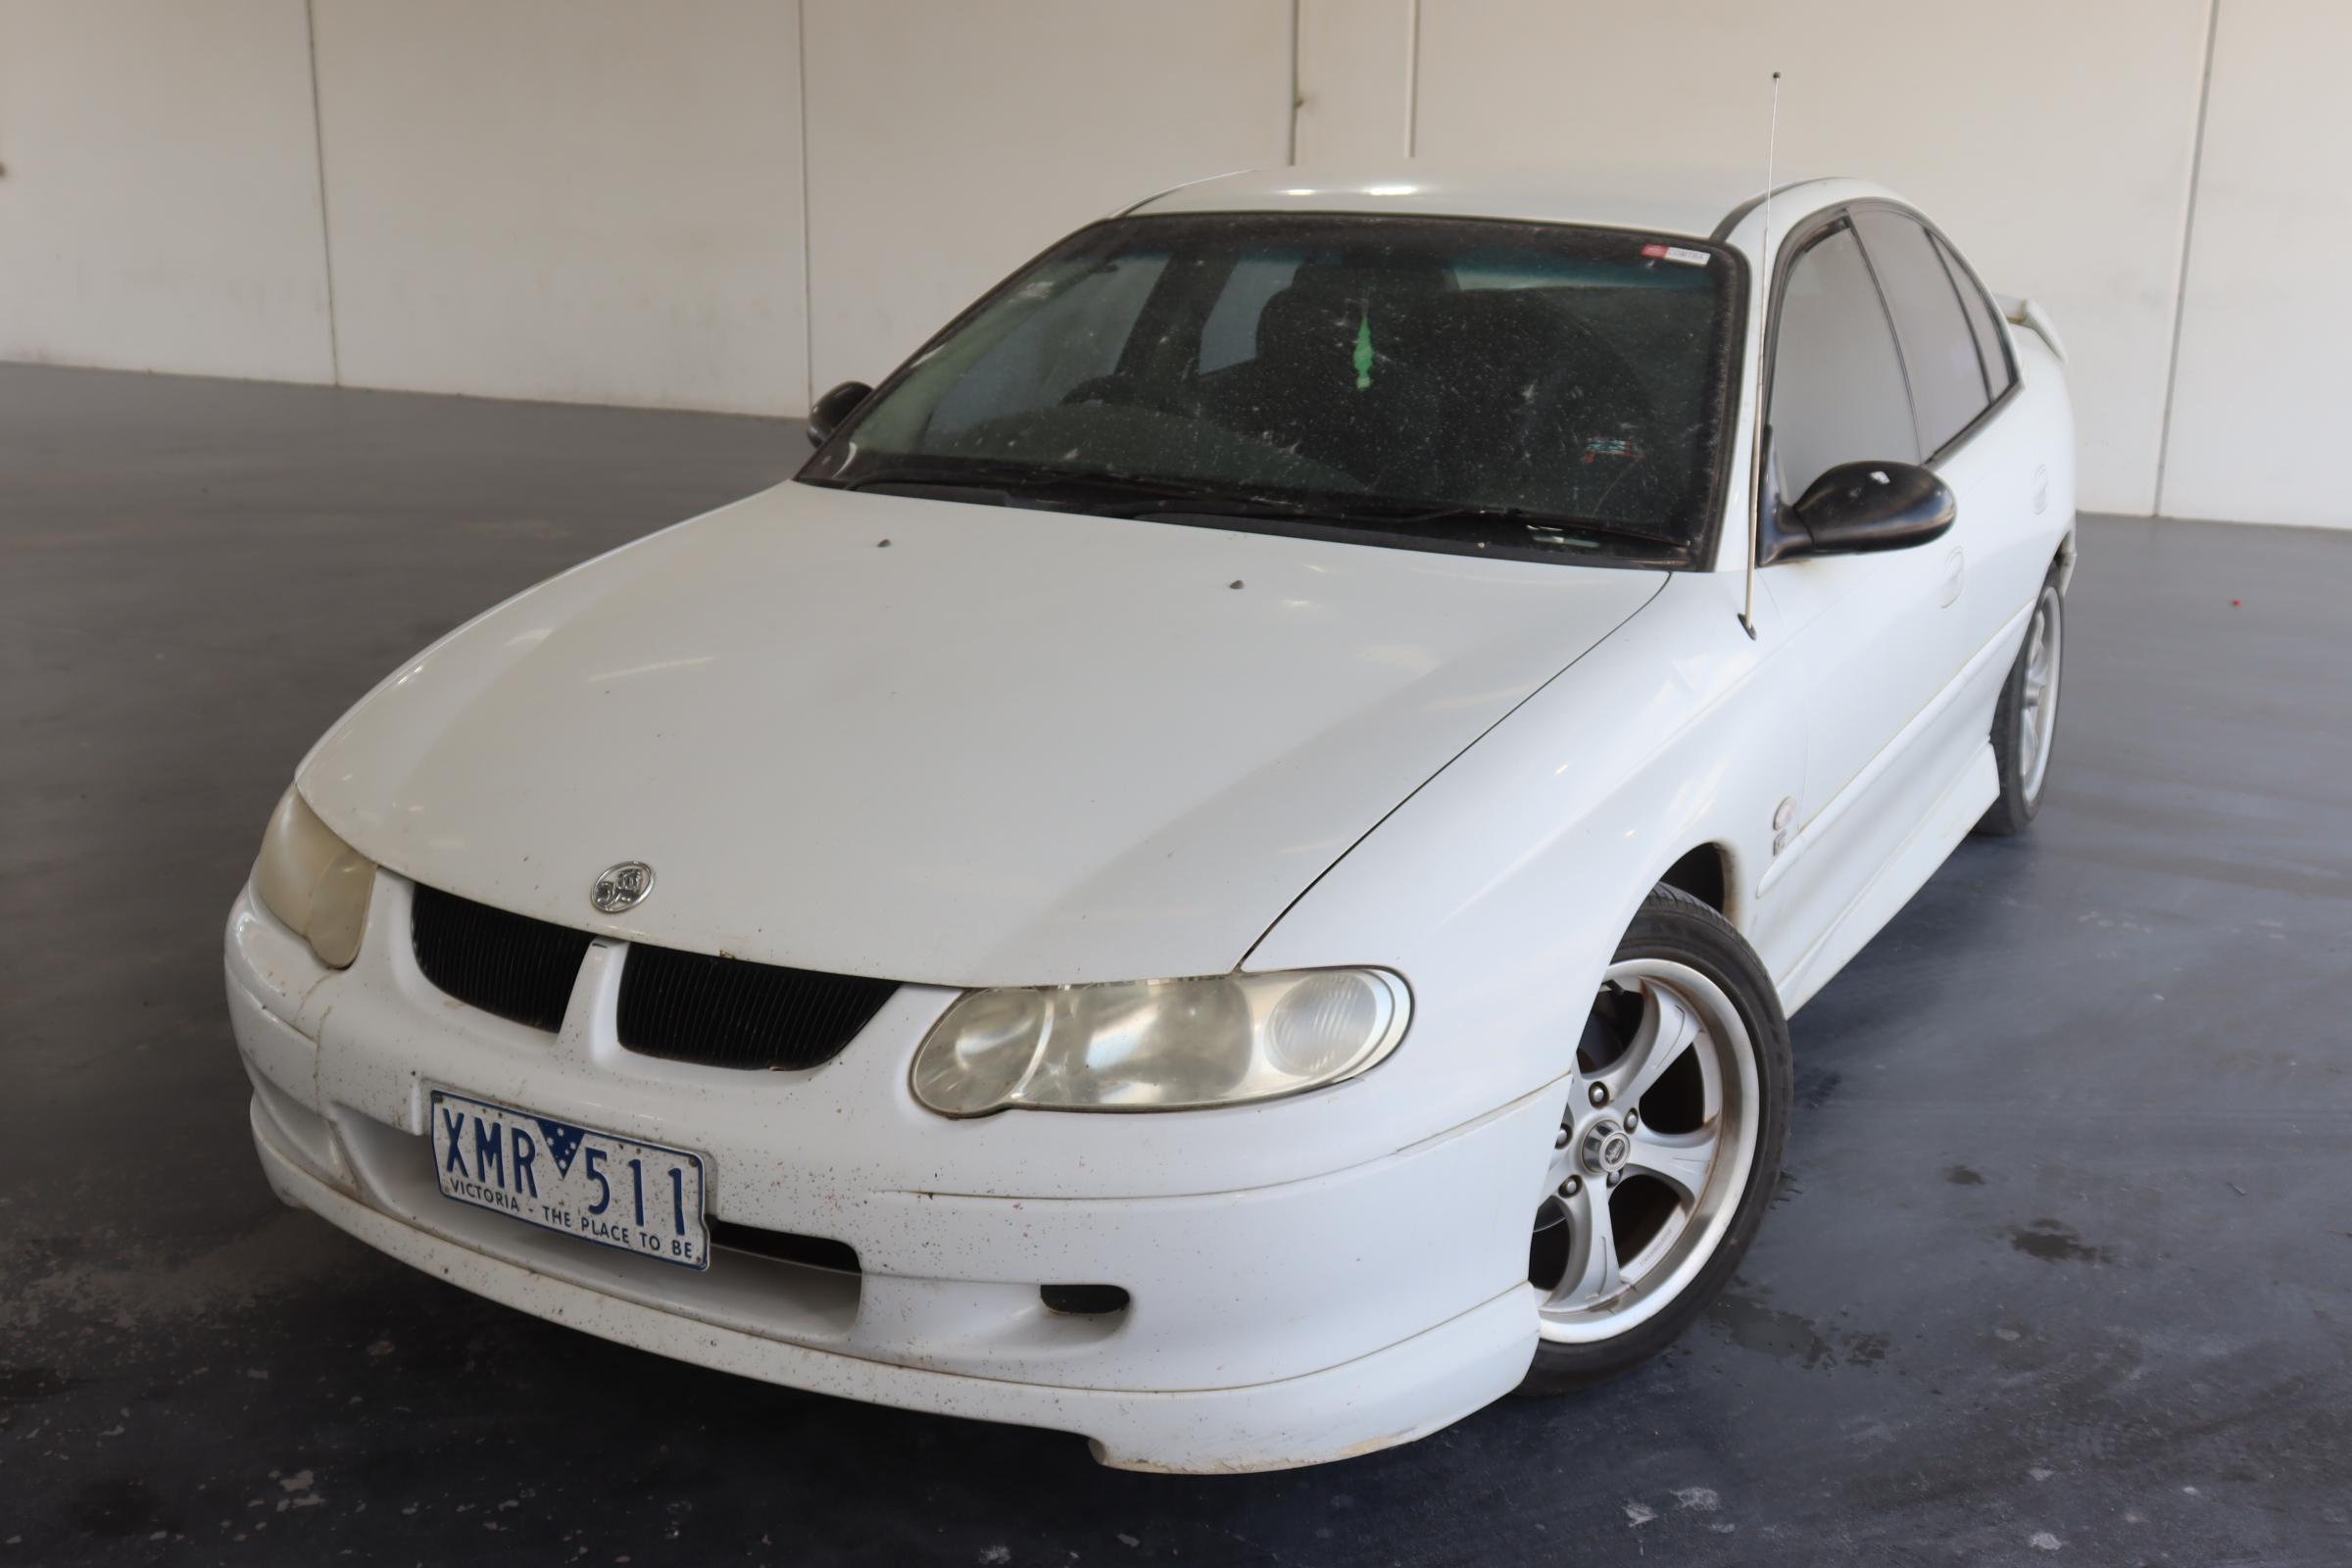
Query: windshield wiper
[
  {"x": 986, "y": 476},
  {"x": 1171, "y": 497},
  {"x": 1404, "y": 517},
  {"x": 1209, "y": 505},
  {"x": 1525, "y": 519}
]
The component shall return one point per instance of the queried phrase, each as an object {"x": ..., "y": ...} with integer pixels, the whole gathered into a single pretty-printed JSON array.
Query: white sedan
[{"x": 1225, "y": 869}]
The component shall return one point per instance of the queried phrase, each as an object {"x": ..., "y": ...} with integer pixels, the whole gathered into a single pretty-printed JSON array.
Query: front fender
[{"x": 1501, "y": 889}]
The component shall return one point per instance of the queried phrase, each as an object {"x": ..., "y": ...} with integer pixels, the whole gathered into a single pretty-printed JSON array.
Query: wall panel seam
[
  {"x": 1298, "y": 50},
  {"x": 2188, "y": 238},
  {"x": 1412, "y": 79},
  {"x": 326, "y": 239},
  {"x": 800, "y": 31}
]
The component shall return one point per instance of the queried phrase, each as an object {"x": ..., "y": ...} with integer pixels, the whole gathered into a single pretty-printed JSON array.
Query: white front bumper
[
  {"x": 1271, "y": 1325},
  {"x": 1394, "y": 1396}
]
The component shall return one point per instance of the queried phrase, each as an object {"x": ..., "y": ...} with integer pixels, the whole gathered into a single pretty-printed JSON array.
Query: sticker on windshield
[
  {"x": 1676, "y": 253},
  {"x": 1610, "y": 446}
]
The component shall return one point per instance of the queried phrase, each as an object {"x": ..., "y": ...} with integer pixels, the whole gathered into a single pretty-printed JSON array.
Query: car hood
[{"x": 946, "y": 743}]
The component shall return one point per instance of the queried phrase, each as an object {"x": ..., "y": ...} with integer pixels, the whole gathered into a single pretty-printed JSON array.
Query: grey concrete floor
[{"x": 2062, "y": 1270}]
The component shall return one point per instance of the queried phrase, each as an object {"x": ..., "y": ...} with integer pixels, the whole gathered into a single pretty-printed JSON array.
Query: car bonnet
[{"x": 946, "y": 743}]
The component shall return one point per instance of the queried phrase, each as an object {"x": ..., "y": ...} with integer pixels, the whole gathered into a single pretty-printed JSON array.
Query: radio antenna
[{"x": 1757, "y": 498}]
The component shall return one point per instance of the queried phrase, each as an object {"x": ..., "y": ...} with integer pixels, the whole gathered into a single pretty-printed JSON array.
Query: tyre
[
  {"x": 1668, "y": 1150},
  {"x": 2026, "y": 719}
]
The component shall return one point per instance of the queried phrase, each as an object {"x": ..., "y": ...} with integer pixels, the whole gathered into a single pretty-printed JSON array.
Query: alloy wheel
[
  {"x": 2037, "y": 696},
  {"x": 1652, "y": 1155}
]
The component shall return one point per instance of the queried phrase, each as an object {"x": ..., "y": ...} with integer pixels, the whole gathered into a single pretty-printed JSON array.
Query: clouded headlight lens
[
  {"x": 315, "y": 882},
  {"x": 1158, "y": 1044}
]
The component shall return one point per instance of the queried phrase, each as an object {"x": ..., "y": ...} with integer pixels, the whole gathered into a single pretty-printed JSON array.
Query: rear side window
[
  {"x": 1837, "y": 392},
  {"x": 1982, "y": 321},
  {"x": 1939, "y": 349}
]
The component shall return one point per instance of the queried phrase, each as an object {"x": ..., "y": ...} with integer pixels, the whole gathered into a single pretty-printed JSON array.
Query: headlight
[
  {"x": 315, "y": 882},
  {"x": 1160, "y": 1045}
]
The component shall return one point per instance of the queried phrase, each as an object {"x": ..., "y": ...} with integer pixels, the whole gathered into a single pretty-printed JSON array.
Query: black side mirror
[
  {"x": 834, "y": 406},
  {"x": 1866, "y": 506}
]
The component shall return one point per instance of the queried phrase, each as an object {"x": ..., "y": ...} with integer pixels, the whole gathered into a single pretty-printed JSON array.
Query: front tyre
[
  {"x": 1668, "y": 1148},
  {"x": 2026, "y": 720}
]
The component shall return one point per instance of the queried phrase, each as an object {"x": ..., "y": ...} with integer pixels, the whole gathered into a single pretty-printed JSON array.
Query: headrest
[{"x": 1327, "y": 302}]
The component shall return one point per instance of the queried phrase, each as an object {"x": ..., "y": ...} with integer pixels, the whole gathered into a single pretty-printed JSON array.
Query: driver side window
[{"x": 1838, "y": 388}]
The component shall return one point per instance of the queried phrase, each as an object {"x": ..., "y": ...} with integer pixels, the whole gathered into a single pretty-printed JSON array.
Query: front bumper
[
  {"x": 1268, "y": 1326},
  {"x": 1394, "y": 1396}
]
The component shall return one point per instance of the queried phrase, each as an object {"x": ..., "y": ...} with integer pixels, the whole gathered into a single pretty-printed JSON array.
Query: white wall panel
[
  {"x": 1356, "y": 79},
  {"x": 160, "y": 209},
  {"x": 580, "y": 200},
  {"x": 603, "y": 200},
  {"x": 2263, "y": 398},
  {"x": 2052, "y": 141},
  {"x": 948, "y": 142}
]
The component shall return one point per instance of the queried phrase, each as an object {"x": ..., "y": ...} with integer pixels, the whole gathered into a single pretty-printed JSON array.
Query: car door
[
  {"x": 1870, "y": 640},
  {"x": 1999, "y": 463},
  {"x": 1959, "y": 372}
]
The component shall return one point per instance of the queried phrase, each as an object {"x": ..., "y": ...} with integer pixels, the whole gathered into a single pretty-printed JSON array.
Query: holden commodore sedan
[{"x": 1225, "y": 869}]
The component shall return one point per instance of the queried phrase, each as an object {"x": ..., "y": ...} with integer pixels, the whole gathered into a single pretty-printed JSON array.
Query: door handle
[{"x": 1955, "y": 571}]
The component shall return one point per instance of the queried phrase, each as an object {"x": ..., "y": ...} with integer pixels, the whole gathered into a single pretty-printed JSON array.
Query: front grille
[
  {"x": 510, "y": 964},
  {"x": 724, "y": 1012}
]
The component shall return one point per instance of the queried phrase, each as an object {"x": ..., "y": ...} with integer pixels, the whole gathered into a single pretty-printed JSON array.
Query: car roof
[
  {"x": 1676, "y": 201},
  {"x": 1669, "y": 200}
]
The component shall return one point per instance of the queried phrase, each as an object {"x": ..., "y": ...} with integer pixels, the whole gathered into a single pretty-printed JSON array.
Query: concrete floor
[{"x": 2062, "y": 1271}]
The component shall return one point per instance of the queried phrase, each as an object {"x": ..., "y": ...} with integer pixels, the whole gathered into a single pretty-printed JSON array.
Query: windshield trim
[
  {"x": 1296, "y": 513},
  {"x": 1721, "y": 408},
  {"x": 1670, "y": 556}
]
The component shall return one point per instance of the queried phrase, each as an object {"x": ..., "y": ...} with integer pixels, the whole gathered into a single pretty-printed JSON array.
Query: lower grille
[
  {"x": 1083, "y": 1300},
  {"x": 818, "y": 1251},
  {"x": 509, "y": 964},
  {"x": 724, "y": 1012}
]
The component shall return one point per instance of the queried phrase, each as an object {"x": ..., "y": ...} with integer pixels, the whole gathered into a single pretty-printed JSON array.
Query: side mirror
[
  {"x": 826, "y": 416},
  {"x": 1866, "y": 506}
]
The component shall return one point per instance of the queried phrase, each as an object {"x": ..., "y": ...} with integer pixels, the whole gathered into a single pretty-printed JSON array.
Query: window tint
[
  {"x": 1837, "y": 384},
  {"x": 1229, "y": 334},
  {"x": 1461, "y": 385},
  {"x": 1051, "y": 352},
  {"x": 1980, "y": 320},
  {"x": 1947, "y": 379}
]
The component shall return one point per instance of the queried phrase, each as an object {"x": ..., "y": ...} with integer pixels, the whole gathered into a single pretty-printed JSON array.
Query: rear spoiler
[{"x": 2027, "y": 314}]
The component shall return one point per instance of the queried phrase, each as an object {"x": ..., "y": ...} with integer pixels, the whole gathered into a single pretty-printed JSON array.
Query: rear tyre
[
  {"x": 2026, "y": 720},
  {"x": 1669, "y": 1146}
]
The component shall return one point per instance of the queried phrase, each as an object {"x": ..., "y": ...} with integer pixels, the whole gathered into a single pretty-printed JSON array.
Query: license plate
[{"x": 600, "y": 1186}]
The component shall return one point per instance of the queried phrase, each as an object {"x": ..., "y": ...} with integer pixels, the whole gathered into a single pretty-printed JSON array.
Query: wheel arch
[{"x": 1703, "y": 872}]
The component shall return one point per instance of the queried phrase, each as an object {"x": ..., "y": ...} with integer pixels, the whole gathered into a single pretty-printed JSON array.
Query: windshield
[{"x": 1524, "y": 389}]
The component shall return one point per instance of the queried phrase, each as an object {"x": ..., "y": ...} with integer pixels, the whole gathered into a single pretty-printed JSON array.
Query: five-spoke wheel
[{"x": 1667, "y": 1149}]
